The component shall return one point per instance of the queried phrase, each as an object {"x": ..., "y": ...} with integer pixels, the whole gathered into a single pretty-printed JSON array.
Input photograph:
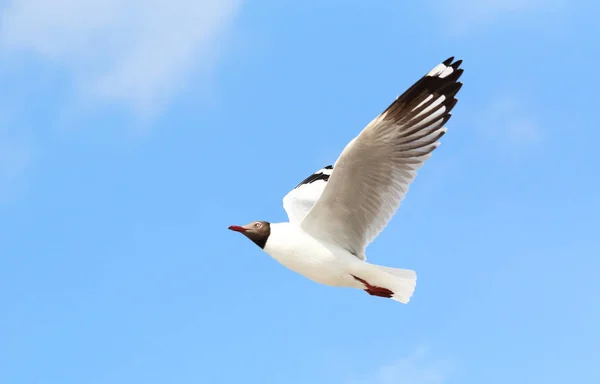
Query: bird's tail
[{"x": 395, "y": 283}]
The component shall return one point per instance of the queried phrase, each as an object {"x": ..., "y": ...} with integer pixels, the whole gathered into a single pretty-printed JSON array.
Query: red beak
[{"x": 237, "y": 228}]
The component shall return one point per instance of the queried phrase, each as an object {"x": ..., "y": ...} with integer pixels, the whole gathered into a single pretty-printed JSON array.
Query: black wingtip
[
  {"x": 448, "y": 61},
  {"x": 456, "y": 64},
  {"x": 455, "y": 75}
]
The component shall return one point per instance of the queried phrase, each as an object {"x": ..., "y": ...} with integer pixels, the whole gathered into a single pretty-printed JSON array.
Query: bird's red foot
[{"x": 374, "y": 290}]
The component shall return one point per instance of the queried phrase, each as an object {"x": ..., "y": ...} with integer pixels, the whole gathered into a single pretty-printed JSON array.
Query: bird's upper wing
[
  {"x": 373, "y": 173},
  {"x": 301, "y": 199}
]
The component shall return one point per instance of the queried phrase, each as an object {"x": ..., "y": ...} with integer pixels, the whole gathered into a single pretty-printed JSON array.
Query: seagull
[{"x": 336, "y": 212}]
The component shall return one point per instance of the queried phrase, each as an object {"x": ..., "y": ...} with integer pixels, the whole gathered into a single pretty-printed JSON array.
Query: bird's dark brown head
[{"x": 257, "y": 231}]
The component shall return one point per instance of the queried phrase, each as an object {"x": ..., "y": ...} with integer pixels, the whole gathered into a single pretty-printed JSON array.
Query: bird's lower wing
[{"x": 299, "y": 201}]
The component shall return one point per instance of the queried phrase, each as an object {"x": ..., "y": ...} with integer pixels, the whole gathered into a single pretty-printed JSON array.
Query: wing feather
[
  {"x": 298, "y": 202},
  {"x": 373, "y": 174}
]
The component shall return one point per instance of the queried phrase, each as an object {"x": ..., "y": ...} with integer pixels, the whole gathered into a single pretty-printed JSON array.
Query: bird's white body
[
  {"x": 321, "y": 262},
  {"x": 329, "y": 264}
]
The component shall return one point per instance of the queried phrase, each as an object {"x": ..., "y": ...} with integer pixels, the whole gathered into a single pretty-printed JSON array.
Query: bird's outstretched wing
[
  {"x": 375, "y": 170},
  {"x": 301, "y": 199}
]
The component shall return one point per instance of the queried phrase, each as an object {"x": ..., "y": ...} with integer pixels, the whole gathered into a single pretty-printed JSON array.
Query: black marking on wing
[
  {"x": 319, "y": 175},
  {"x": 401, "y": 110}
]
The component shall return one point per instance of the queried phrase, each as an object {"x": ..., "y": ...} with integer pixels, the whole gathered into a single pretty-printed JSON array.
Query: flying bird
[{"x": 337, "y": 211}]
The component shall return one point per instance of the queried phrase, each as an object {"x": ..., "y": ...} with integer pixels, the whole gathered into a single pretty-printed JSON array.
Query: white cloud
[
  {"x": 466, "y": 14},
  {"x": 417, "y": 368},
  {"x": 132, "y": 52},
  {"x": 509, "y": 122}
]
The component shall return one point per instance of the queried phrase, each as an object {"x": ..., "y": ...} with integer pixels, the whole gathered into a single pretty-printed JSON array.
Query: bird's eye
[{"x": 257, "y": 225}]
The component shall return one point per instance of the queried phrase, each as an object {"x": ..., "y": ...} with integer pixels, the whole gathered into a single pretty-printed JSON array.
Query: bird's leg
[{"x": 374, "y": 290}]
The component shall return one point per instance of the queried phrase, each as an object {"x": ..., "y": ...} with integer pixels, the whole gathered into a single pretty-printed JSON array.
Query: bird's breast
[{"x": 300, "y": 252}]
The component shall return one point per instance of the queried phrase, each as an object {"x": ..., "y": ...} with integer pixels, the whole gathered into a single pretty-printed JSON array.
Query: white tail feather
[
  {"x": 401, "y": 282},
  {"x": 404, "y": 283}
]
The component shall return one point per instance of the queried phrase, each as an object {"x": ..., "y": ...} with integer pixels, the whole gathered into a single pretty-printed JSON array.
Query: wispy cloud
[
  {"x": 509, "y": 122},
  {"x": 133, "y": 52},
  {"x": 417, "y": 368},
  {"x": 468, "y": 14}
]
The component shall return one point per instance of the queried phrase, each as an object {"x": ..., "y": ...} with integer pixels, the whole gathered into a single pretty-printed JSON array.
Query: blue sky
[{"x": 133, "y": 133}]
